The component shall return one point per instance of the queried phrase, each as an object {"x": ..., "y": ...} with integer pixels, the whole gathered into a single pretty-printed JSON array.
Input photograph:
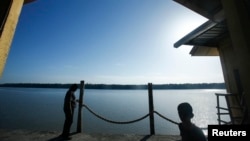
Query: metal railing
[{"x": 237, "y": 110}]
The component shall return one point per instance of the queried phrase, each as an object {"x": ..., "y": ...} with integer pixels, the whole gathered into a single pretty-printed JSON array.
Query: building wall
[
  {"x": 235, "y": 53},
  {"x": 8, "y": 32},
  {"x": 228, "y": 63}
]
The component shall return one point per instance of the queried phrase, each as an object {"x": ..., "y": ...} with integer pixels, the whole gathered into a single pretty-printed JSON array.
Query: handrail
[
  {"x": 127, "y": 122},
  {"x": 150, "y": 114},
  {"x": 111, "y": 121},
  {"x": 132, "y": 121},
  {"x": 166, "y": 118}
]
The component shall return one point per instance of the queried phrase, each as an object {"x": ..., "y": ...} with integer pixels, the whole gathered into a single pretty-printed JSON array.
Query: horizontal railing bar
[
  {"x": 222, "y": 113},
  {"x": 224, "y": 121},
  {"x": 226, "y": 94},
  {"x": 223, "y": 108}
]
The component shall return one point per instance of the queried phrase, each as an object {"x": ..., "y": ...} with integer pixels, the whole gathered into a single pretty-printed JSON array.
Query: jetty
[{"x": 27, "y": 135}]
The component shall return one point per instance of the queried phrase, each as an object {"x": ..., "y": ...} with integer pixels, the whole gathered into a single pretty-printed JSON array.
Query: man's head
[{"x": 73, "y": 87}]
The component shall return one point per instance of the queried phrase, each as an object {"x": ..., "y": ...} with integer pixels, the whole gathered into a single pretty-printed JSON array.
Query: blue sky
[{"x": 106, "y": 41}]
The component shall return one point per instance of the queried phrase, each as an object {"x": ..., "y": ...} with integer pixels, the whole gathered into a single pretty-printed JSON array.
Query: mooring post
[
  {"x": 151, "y": 109},
  {"x": 79, "y": 118}
]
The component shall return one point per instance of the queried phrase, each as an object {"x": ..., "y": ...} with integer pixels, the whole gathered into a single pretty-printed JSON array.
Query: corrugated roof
[{"x": 208, "y": 34}]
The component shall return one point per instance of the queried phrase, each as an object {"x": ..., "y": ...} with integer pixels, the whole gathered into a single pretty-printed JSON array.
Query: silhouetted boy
[{"x": 189, "y": 131}]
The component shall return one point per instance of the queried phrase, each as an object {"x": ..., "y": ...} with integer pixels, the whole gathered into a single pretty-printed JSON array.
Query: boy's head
[{"x": 185, "y": 111}]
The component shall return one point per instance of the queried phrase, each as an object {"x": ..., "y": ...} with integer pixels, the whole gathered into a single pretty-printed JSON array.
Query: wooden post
[
  {"x": 79, "y": 118},
  {"x": 151, "y": 109}
]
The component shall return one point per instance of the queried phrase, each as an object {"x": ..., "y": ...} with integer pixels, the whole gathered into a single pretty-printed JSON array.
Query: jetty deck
[{"x": 26, "y": 135}]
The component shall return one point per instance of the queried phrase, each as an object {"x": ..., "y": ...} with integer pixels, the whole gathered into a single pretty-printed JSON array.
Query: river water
[{"x": 42, "y": 109}]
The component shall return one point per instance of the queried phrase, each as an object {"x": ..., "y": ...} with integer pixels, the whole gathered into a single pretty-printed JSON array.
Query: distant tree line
[
  {"x": 35, "y": 85},
  {"x": 120, "y": 86}
]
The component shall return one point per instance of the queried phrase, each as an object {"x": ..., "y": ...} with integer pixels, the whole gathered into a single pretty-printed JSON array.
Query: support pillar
[{"x": 7, "y": 30}]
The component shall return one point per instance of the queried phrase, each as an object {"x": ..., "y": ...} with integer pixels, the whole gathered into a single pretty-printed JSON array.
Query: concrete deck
[{"x": 24, "y": 135}]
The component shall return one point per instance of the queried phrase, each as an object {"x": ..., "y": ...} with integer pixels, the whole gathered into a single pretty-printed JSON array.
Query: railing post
[
  {"x": 151, "y": 108},
  {"x": 218, "y": 108},
  {"x": 79, "y": 118}
]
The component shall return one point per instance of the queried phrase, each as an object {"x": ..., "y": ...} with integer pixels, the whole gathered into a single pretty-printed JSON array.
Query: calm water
[{"x": 41, "y": 109}]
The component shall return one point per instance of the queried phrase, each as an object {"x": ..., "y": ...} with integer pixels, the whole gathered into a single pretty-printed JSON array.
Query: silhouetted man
[{"x": 69, "y": 106}]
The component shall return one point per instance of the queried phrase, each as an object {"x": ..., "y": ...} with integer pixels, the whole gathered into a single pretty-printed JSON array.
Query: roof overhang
[
  {"x": 208, "y": 34},
  {"x": 206, "y": 37},
  {"x": 211, "y": 9}
]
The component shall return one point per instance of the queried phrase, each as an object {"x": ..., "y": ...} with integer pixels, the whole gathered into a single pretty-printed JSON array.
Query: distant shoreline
[{"x": 119, "y": 86}]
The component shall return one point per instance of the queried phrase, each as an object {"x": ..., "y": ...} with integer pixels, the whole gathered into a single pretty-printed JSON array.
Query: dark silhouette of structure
[
  {"x": 188, "y": 130},
  {"x": 69, "y": 106},
  {"x": 226, "y": 34}
]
